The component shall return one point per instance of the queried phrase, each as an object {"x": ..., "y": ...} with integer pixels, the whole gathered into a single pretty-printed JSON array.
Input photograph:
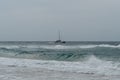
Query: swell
[{"x": 106, "y": 53}]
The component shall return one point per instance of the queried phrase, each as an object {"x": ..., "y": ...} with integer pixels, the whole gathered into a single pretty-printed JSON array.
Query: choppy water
[{"x": 83, "y": 57}]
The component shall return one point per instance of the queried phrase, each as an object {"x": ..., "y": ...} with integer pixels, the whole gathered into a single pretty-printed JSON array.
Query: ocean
[{"x": 85, "y": 60}]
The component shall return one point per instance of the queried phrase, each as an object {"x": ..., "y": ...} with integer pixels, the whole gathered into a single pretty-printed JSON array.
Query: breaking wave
[
  {"x": 79, "y": 58},
  {"x": 92, "y": 65},
  {"x": 78, "y": 46},
  {"x": 59, "y": 46},
  {"x": 61, "y": 52}
]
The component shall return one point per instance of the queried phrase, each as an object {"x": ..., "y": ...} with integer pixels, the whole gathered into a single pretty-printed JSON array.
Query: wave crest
[{"x": 78, "y": 46}]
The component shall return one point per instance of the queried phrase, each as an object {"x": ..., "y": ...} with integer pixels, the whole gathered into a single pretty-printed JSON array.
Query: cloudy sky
[{"x": 78, "y": 20}]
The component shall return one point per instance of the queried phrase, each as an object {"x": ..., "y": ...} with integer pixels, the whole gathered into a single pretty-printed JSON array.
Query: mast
[{"x": 59, "y": 35}]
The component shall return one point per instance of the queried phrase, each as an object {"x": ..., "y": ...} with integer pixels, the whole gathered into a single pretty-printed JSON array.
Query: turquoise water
[{"x": 71, "y": 51}]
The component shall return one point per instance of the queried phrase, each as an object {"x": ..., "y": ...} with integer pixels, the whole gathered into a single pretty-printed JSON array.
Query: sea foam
[{"x": 91, "y": 66}]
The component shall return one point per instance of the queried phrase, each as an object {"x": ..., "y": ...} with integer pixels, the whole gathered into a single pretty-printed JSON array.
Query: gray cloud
[{"x": 77, "y": 19}]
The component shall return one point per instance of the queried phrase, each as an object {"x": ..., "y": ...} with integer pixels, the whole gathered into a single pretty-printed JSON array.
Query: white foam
[
  {"x": 67, "y": 46},
  {"x": 78, "y": 46},
  {"x": 59, "y": 46},
  {"x": 9, "y": 46},
  {"x": 92, "y": 65}
]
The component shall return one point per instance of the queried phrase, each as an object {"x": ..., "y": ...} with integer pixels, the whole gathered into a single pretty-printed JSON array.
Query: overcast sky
[{"x": 79, "y": 20}]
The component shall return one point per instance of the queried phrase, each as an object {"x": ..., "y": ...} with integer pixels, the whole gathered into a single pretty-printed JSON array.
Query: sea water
[{"x": 94, "y": 58}]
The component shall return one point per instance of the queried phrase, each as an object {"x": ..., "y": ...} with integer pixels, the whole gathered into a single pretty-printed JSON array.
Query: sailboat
[{"x": 59, "y": 39}]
